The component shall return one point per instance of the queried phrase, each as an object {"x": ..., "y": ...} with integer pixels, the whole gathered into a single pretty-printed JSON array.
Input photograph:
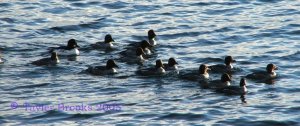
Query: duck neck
[
  {"x": 205, "y": 75},
  {"x": 244, "y": 89},
  {"x": 152, "y": 41},
  {"x": 54, "y": 58},
  {"x": 273, "y": 73},
  {"x": 229, "y": 66},
  {"x": 140, "y": 57},
  {"x": 226, "y": 83}
]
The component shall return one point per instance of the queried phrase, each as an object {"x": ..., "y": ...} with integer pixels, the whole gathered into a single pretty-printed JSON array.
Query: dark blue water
[{"x": 254, "y": 32}]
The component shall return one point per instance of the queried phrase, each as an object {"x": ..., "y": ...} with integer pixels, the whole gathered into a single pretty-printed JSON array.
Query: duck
[
  {"x": 139, "y": 54},
  {"x": 264, "y": 75},
  {"x": 171, "y": 65},
  {"x": 103, "y": 70},
  {"x": 224, "y": 68},
  {"x": 145, "y": 46},
  {"x": 53, "y": 60},
  {"x": 157, "y": 70},
  {"x": 218, "y": 84},
  {"x": 107, "y": 44},
  {"x": 70, "y": 49},
  {"x": 137, "y": 58},
  {"x": 151, "y": 37},
  {"x": 235, "y": 90},
  {"x": 131, "y": 49},
  {"x": 203, "y": 74},
  {"x": 159, "y": 67}
]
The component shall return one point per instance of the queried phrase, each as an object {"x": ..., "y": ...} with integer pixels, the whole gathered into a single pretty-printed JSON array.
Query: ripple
[
  {"x": 57, "y": 10},
  {"x": 182, "y": 116},
  {"x": 5, "y": 4},
  {"x": 115, "y": 5},
  {"x": 243, "y": 122}
]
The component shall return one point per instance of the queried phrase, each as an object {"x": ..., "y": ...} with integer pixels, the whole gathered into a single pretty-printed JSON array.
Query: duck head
[
  {"x": 271, "y": 68},
  {"x": 72, "y": 44},
  {"x": 159, "y": 64},
  {"x": 108, "y": 39},
  {"x": 203, "y": 69},
  {"x": 243, "y": 82},
  {"x": 111, "y": 64},
  {"x": 229, "y": 60},
  {"x": 151, "y": 34},
  {"x": 172, "y": 62}
]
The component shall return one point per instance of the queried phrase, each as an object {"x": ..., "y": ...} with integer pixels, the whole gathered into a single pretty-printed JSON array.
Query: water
[{"x": 254, "y": 32}]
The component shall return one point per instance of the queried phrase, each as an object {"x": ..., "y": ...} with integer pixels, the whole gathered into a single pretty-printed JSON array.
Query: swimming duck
[
  {"x": 219, "y": 84},
  {"x": 159, "y": 67},
  {"x": 157, "y": 70},
  {"x": 131, "y": 49},
  {"x": 102, "y": 70},
  {"x": 151, "y": 37},
  {"x": 203, "y": 72},
  {"x": 224, "y": 68},
  {"x": 172, "y": 64},
  {"x": 107, "y": 44},
  {"x": 139, "y": 53},
  {"x": 145, "y": 46},
  {"x": 234, "y": 90},
  {"x": 264, "y": 75},
  {"x": 53, "y": 60},
  {"x": 70, "y": 49}
]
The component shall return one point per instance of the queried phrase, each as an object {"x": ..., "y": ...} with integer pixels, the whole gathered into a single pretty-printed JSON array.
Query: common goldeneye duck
[
  {"x": 264, "y": 75},
  {"x": 157, "y": 70},
  {"x": 70, "y": 49},
  {"x": 159, "y": 66},
  {"x": 234, "y": 90},
  {"x": 224, "y": 68},
  {"x": 102, "y": 70},
  {"x": 139, "y": 53},
  {"x": 53, "y": 60},
  {"x": 218, "y": 84},
  {"x": 203, "y": 72},
  {"x": 172, "y": 64},
  {"x": 145, "y": 46},
  {"x": 151, "y": 37},
  {"x": 107, "y": 44}
]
